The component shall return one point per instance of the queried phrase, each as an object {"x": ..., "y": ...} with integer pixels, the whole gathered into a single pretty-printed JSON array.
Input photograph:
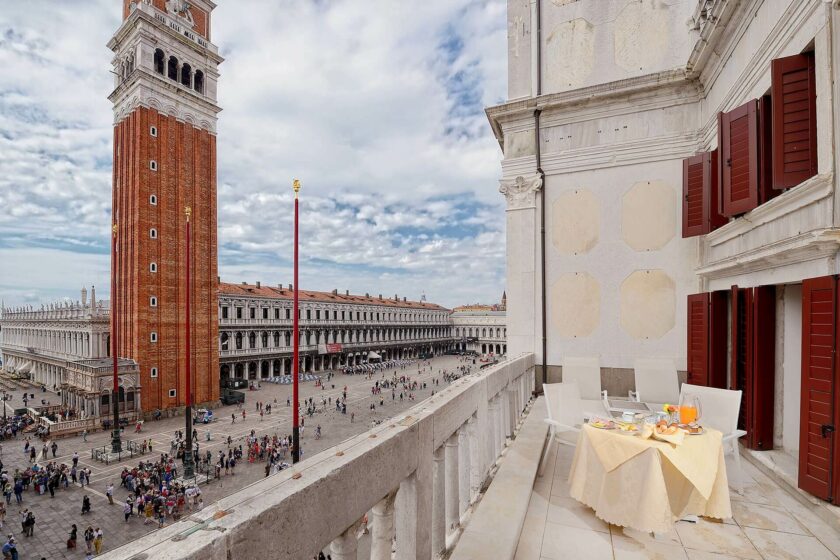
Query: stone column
[
  {"x": 343, "y": 547},
  {"x": 512, "y": 413},
  {"x": 413, "y": 508},
  {"x": 501, "y": 420},
  {"x": 464, "y": 470},
  {"x": 475, "y": 457},
  {"x": 503, "y": 395},
  {"x": 452, "y": 483},
  {"x": 438, "y": 503},
  {"x": 494, "y": 430},
  {"x": 383, "y": 528}
]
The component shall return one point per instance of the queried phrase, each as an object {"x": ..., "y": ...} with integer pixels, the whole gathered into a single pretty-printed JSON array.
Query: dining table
[{"x": 647, "y": 484}]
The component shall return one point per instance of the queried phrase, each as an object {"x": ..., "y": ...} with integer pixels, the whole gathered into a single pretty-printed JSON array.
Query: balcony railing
[{"x": 416, "y": 475}]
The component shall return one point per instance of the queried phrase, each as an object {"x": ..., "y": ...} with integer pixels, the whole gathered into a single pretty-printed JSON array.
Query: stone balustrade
[{"x": 411, "y": 479}]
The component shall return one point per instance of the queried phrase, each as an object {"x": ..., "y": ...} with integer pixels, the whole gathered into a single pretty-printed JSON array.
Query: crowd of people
[{"x": 372, "y": 367}]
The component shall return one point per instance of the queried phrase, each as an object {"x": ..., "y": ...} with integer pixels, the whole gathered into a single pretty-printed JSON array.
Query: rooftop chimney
[
  {"x": 346, "y": 292},
  {"x": 403, "y": 298},
  {"x": 244, "y": 283},
  {"x": 367, "y": 295},
  {"x": 291, "y": 287},
  {"x": 335, "y": 292},
  {"x": 258, "y": 283}
]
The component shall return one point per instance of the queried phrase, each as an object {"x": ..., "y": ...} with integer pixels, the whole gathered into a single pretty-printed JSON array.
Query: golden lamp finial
[
  {"x": 188, "y": 212},
  {"x": 296, "y": 186},
  {"x": 114, "y": 229}
]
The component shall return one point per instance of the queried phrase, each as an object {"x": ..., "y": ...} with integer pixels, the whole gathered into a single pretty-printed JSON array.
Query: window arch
[
  {"x": 172, "y": 68},
  {"x": 186, "y": 75},
  {"x": 252, "y": 340},
  {"x": 239, "y": 341},
  {"x": 198, "y": 84},
  {"x": 159, "y": 58},
  {"x": 225, "y": 340},
  {"x": 276, "y": 339},
  {"x": 265, "y": 339}
]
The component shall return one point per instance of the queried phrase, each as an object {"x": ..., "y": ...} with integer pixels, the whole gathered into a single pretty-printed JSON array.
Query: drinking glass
[{"x": 690, "y": 410}]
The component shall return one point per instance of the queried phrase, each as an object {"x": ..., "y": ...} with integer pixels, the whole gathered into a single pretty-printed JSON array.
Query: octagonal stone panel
[
  {"x": 575, "y": 304},
  {"x": 649, "y": 215},
  {"x": 648, "y": 304},
  {"x": 575, "y": 222},
  {"x": 569, "y": 55},
  {"x": 640, "y": 35}
]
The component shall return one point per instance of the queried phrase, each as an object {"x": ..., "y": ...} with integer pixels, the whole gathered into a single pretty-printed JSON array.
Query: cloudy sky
[{"x": 376, "y": 105}]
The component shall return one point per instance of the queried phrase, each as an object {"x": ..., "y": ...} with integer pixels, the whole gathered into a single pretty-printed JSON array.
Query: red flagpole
[
  {"x": 296, "y": 344},
  {"x": 188, "y": 451},
  {"x": 116, "y": 443}
]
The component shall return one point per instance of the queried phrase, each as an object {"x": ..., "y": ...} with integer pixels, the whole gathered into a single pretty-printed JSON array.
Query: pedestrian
[
  {"x": 54, "y": 448},
  {"x": 2, "y": 514},
  {"x": 29, "y": 524},
  {"x": 109, "y": 492},
  {"x": 84, "y": 435},
  {"x": 71, "y": 540},
  {"x": 89, "y": 539},
  {"x": 85, "y": 505},
  {"x": 75, "y": 458},
  {"x": 97, "y": 541},
  {"x": 10, "y": 549},
  {"x": 128, "y": 508}
]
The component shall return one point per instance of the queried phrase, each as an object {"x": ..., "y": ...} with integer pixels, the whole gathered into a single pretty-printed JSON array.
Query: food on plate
[
  {"x": 628, "y": 427},
  {"x": 602, "y": 424},
  {"x": 669, "y": 408},
  {"x": 665, "y": 429},
  {"x": 695, "y": 429}
]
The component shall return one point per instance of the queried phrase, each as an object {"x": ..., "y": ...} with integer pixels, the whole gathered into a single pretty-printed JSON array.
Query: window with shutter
[
  {"x": 753, "y": 361},
  {"x": 765, "y": 151},
  {"x": 738, "y": 137},
  {"x": 698, "y": 339},
  {"x": 794, "y": 120},
  {"x": 700, "y": 195}
]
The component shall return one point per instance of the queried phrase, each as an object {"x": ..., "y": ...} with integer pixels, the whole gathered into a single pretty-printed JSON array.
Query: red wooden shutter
[
  {"x": 701, "y": 214},
  {"x": 761, "y": 377},
  {"x": 794, "y": 120},
  {"x": 693, "y": 219},
  {"x": 698, "y": 339},
  {"x": 738, "y": 136},
  {"x": 819, "y": 376},
  {"x": 718, "y": 323},
  {"x": 765, "y": 151},
  {"x": 742, "y": 354}
]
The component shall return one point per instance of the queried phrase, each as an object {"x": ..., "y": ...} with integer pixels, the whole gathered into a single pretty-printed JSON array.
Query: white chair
[
  {"x": 563, "y": 405},
  {"x": 720, "y": 409},
  {"x": 586, "y": 372},
  {"x": 657, "y": 382}
]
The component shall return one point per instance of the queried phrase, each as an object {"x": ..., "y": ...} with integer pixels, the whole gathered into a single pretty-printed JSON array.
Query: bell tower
[{"x": 165, "y": 113}]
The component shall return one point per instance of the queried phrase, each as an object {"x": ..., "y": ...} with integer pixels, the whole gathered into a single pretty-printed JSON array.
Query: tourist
[
  {"x": 75, "y": 459},
  {"x": 10, "y": 549},
  {"x": 71, "y": 540},
  {"x": 29, "y": 524},
  {"x": 109, "y": 492},
  {"x": 89, "y": 539},
  {"x": 85, "y": 505},
  {"x": 54, "y": 448},
  {"x": 97, "y": 541},
  {"x": 84, "y": 435}
]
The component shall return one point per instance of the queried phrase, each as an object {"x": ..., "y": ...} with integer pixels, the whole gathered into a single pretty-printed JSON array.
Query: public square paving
[{"x": 54, "y": 516}]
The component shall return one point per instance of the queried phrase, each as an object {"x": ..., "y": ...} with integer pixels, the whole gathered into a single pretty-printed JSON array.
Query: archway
[
  {"x": 252, "y": 370},
  {"x": 264, "y": 370},
  {"x": 224, "y": 372}
]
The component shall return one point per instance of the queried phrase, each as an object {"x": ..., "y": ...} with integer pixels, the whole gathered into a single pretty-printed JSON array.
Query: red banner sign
[{"x": 333, "y": 348}]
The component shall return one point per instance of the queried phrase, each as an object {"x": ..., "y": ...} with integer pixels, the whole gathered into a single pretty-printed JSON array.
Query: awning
[{"x": 374, "y": 356}]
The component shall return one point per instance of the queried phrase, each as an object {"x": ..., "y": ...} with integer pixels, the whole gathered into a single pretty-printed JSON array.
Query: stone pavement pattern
[
  {"x": 768, "y": 523},
  {"x": 54, "y": 516}
]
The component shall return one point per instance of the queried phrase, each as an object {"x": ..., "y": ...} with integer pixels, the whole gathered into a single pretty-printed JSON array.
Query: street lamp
[{"x": 189, "y": 463}]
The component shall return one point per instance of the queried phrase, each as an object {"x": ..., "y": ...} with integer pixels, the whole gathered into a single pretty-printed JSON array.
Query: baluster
[
  {"x": 438, "y": 502},
  {"x": 382, "y": 532},
  {"x": 452, "y": 483},
  {"x": 343, "y": 547},
  {"x": 463, "y": 470}
]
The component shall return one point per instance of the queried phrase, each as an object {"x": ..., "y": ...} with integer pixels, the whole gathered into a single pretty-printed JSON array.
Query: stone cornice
[
  {"x": 805, "y": 247},
  {"x": 814, "y": 189}
]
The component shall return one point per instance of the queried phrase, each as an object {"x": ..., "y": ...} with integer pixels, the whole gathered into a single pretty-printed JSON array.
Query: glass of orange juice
[{"x": 689, "y": 408}]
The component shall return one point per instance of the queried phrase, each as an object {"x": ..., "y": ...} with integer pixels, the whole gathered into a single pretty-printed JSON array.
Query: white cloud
[{"x": 377, "y": 106}]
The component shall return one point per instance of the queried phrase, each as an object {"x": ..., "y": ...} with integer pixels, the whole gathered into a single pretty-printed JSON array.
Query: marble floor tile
[
  {"x": 560, "y": 488},
  {"x": 702, "y": 555},
  {"x": 567, "y": 511},
  {"x": 671, "y": 537},
  {"x": 625, "y": 548},
  {"x": 561, "y": 542},
  {"x": 774, "y": 545},
  {"x": 530, "y": 538},
  {"x": 717, "y": 537},
  {"x": 772, "y": 518}
]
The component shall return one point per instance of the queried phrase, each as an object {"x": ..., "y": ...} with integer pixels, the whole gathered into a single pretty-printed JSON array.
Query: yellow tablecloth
[{"x": 647, "y": 484}]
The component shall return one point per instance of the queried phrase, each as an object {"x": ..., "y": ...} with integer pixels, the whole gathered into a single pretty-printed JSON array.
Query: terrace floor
[{"x": 768, "y": 523}]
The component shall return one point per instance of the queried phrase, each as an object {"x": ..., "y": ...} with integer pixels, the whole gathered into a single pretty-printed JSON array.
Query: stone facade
[
  {"x": 336, "y": 330},
  {"x": 165, "y": 161},
  {"x": 41, "y": 343},
  {"x": 481, "y": 328},
  {"x": 606, "y": 101}
]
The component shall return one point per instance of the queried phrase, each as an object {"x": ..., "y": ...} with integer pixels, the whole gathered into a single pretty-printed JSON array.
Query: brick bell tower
[{"x": 165, "y": 115}]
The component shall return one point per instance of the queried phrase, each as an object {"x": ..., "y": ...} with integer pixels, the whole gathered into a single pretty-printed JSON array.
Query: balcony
[{"x": 416, "y": 478}]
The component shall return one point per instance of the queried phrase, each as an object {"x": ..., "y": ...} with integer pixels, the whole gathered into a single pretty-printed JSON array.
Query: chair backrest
[
  {"x": 586, "y": 372},
  {"x": 657, "y": 380},
  {"x": 562, "y": 401},
  {"x": 720, "y": 407}
]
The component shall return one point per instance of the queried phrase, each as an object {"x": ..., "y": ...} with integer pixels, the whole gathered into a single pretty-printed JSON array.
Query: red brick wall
[{"x": 186, "y": 176}]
